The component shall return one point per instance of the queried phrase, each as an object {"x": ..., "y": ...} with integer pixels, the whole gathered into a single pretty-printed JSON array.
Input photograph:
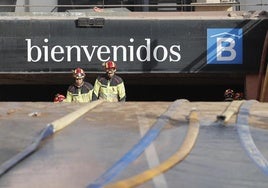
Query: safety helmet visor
[{"x": 78, "y": 73}]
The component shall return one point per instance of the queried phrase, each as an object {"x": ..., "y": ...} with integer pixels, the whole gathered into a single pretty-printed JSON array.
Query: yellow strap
[
  {"x": 184, "y": 150},
  {"x": 264, "y": 88},
  {"x": 69, "y": 118},
  {"x": 232, "y": 108}
]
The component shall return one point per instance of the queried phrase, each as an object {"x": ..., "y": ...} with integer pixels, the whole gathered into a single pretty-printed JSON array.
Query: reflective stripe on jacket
[
  {"x": 112, "y": 90},
  {"x": 79, "y": 94}
]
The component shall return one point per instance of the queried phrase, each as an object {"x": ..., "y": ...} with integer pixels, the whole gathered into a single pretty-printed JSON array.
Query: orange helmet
[
  {"x": 110, "y": 65},
  {"x": 78, "y": 73}
]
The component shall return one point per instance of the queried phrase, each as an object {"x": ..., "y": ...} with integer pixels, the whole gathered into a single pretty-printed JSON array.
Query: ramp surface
[{"x": 78, "y": 154}]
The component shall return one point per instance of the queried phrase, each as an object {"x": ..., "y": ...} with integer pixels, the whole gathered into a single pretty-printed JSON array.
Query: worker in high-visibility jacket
[
  {"x": 109, "y": 87},
  {"x": 80, "y": 91}
]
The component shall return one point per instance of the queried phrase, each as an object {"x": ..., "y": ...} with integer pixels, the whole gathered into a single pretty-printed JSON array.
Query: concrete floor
[{"x": 81, "y": 152}]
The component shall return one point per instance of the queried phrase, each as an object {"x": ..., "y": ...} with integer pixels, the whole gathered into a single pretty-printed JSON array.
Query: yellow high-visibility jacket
[
  {"x": 79, "y": 94},
  {"x": 111, "y": 90}
]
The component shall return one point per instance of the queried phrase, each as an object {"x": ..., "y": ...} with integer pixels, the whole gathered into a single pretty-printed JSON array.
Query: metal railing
[{"x": 177, "y": 6}]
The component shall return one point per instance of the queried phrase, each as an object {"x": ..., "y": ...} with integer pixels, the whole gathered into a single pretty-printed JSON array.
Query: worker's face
[
  {"x": 78, "y": 81},
  {"x": 110, "y": 72}
]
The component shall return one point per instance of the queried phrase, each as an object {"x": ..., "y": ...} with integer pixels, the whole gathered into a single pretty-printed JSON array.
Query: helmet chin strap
[
  {"x": 110, "y": 73},
  {"x": 80, "y": 85}
]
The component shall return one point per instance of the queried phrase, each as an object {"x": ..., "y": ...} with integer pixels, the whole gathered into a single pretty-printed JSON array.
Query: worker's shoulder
[
  {"x": 71, "y": 88},
  {"x": 118, "y": 79},
  {"x": 101, "y": 77},
  {"x": 88, "y": 85}
]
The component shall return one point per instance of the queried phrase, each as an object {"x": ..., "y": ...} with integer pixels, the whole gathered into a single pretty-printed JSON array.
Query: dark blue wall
[{"x": 190, "y": 35}]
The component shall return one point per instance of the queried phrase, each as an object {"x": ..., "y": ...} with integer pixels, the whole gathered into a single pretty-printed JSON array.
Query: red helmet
[
  {"x": 59, "y": 98},
  {"x": 238, "y": 96},
  {"x": 78, "y": 73},
  {"x": 110, "y": 65}
]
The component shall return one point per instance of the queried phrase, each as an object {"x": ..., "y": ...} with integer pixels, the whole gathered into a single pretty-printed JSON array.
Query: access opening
[
  {"x": 46, "y": 93},
  {"x": 139, "y": 87}
]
